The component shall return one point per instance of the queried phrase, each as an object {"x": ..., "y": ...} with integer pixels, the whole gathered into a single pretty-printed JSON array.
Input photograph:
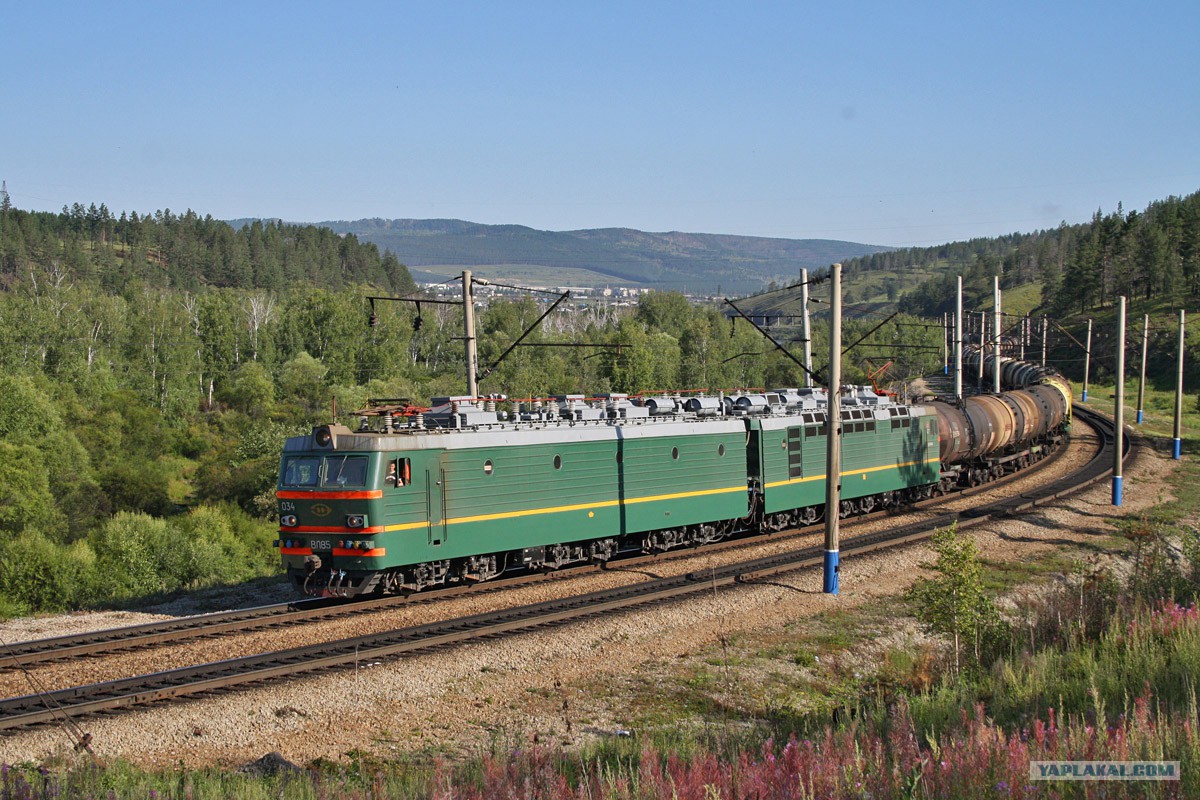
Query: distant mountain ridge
[{"x": 695, "y": 262}]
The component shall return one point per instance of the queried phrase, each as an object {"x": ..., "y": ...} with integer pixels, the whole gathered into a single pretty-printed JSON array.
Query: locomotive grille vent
[{"x": 795, "y": 461}]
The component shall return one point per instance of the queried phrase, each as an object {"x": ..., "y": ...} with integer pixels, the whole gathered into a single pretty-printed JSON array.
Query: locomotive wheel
[
  {"x": 809, "y": 516},
  {"x": 776, "y": 522}
]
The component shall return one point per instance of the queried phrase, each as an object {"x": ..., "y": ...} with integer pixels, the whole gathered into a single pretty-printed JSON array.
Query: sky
[{"x": 889, "y": 123}]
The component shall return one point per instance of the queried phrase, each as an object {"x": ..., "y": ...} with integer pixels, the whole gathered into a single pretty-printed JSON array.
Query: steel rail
[{"x": 22, "y": 712}]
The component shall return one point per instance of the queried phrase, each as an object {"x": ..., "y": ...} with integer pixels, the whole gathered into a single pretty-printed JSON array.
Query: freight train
[{"x": 465, "y": 492}]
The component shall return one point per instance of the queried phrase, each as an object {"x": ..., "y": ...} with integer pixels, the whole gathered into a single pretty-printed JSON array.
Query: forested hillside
[
  {"x": 1151, "y": 255},
  {"x": 187, "y": 251}
]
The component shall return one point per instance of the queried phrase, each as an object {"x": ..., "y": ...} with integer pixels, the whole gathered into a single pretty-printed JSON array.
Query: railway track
[
  {"x": 75, "y": 702},
  {"x": 25, "y": 654}
]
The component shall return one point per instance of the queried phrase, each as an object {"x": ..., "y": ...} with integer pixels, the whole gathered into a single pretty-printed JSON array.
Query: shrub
[
  {"x": 36, "y": 574},
  {"x": 129, "y": 555},
  {"x": 218, "y": 549}
]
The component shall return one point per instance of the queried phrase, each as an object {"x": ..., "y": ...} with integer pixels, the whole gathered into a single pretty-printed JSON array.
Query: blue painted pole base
[
  {"x": 1117, "y": 490},
  {"x": 945, "y": 369},
  {"x": 831, "y": 571},
  {"x": 1177, "y": 450},
  {"x": 1139, "y": 422},
  {"x": 1085, "y": 395}
]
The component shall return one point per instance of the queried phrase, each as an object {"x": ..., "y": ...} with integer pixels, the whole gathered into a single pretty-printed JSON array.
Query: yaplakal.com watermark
[{"x": 1104, "y": 770}]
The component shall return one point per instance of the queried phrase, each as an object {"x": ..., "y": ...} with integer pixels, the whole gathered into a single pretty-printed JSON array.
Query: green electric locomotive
[{"x": 464, "y": 492}]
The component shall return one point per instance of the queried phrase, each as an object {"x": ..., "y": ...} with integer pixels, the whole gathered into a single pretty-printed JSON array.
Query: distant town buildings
[{"x": 613, "y": 296}]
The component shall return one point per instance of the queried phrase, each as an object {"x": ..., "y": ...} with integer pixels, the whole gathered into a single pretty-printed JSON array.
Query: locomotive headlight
[
  {"x": 288, "y": 520},
  {"x": 356, "y": 520}
]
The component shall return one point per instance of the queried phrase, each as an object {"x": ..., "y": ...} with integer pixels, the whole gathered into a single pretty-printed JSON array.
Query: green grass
[
  {"x": 1159, "y": 412},
  {"x": 1004, "y": 576},
  {"x": 1017, "y": 301}
]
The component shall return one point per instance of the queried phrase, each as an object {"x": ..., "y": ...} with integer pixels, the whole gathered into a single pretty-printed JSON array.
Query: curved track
[{"x": 21, "y": 712}]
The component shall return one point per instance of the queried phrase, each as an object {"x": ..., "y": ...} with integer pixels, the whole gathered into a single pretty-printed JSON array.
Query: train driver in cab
[{"x": 393, "y": 478}]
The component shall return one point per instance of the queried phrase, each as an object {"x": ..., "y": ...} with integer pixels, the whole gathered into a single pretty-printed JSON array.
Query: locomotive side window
[
  {"x": 399, "y": 473},
  {"x": 302, "y": 471}
]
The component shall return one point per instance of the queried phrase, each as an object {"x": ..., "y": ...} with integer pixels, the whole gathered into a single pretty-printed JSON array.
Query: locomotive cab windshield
[{"x": 332, "y": 472}]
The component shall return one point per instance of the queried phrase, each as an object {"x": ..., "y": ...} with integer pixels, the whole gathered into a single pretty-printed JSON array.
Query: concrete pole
[
  {"x": 997, "y": 321},
  {"x": 958, "y": 342},
  {"x": 982, "y": 347},
  {"x": 1024, "y": 334},
  {"x": 1045, "y": 336},
  {"x": 1087, "y": 361},
  {"x": 1178, "y": 443},
  {"x": 469, "y": 334},
  {"x": 945, "y": 344},
  {"x": 1142, "y": 368},
  {"x": 806, "y": 329},
  {"x": 1119, "y": 404},
  {"x": 833, "y": 451}
]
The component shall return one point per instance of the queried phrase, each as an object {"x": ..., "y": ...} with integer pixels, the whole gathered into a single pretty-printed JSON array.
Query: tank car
[{"x": 987, "y": 436}]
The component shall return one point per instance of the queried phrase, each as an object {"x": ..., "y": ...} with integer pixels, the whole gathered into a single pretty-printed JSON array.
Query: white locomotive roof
[{"x": 464, "y": 424}]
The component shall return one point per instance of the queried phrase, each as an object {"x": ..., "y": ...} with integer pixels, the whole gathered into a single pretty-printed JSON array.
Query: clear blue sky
[{"x": 887, "y": 123}]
